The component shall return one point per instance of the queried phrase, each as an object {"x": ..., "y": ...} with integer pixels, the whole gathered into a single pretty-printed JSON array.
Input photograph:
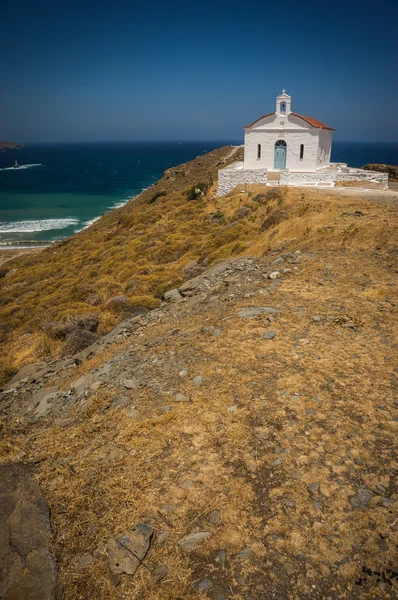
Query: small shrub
[
  {"x": 118, "y": 304},
  {"x": 159, "y": 194},
  {"x": 60, "y": 330},
  {"x": 200, "y": 189},
  {"x": 78, "y": 340},
  {"x": 303, "y": 209},
  {"x": 6, "y": 371},
  {"x": 146, "y": 302},
  {"x": 242, "y": 212},
  {"x": 274, "y": 219}
]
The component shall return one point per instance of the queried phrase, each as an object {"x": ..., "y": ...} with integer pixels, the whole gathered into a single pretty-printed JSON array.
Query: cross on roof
[{"x": 283, "y": 91}]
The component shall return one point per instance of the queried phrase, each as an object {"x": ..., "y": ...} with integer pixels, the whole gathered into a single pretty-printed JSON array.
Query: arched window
[
  {"x": 258, "y": 151},
  {"x": 301, "y": 151},
  {"x": 283, "y": 107}
]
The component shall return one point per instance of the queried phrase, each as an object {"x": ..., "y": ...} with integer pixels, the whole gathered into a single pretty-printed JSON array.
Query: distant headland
[{"x": 10, "y": 145}]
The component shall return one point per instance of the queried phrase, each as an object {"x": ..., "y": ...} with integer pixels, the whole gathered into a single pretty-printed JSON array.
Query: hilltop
[{"x": 233, "y": 426}]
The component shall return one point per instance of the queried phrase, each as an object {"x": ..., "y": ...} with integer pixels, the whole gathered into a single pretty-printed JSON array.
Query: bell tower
[{"x": 283, "y": 104}]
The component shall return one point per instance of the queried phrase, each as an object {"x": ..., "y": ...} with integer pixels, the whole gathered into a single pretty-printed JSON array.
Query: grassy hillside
[{"x": 156, "y": 241}]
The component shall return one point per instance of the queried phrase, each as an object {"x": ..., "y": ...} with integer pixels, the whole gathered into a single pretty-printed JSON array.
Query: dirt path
[{"x": 389, "y": 196}]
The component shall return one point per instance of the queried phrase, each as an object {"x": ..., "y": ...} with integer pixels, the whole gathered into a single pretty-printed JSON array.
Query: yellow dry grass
[
  {"x": 102, "y": 471},
  {"x": 141, "y": 249}
]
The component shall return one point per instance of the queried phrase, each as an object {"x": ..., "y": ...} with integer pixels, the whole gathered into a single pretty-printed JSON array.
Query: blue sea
[{"x": 61, "y": 188}]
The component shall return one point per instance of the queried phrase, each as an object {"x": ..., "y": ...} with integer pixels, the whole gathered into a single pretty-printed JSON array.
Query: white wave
[
  {"x": 21, "y": 167},
  {"x": 123, "y": 202},
  {"x": 39, "y": 225},
  {"x": 88, "y": 223}
]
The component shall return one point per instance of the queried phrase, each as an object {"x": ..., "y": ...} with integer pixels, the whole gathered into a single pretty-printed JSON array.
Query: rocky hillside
[
  {"x": 56, "y": 302},
  {"x": 230, "y": 435},
  {"x": 236, "y": 442}
]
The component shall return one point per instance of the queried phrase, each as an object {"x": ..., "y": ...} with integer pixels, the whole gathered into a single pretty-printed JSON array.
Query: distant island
[{"x": 10, "y": 145}]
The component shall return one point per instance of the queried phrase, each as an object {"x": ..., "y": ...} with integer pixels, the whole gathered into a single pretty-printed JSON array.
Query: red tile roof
[
  {"x": 313, "y": 122},
  {"x": 263, "y": 117},
  {"x": 310, "y": 120}
]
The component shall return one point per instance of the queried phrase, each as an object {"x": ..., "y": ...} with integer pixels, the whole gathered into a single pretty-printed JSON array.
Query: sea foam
[{"x": 36, "y": 225}]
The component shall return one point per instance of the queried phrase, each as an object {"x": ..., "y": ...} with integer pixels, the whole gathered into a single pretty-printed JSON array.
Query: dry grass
[
  {"x": 103, "y": 472},
  {"x": 361, "y": 184},
  {"x": 141, "y": 249}
]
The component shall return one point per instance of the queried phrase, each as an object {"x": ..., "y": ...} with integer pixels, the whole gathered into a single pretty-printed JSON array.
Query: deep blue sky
[{"x": 117, "y": 70}]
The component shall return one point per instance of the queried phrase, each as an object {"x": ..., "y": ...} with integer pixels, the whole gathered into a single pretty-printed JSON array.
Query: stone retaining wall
[
  {"x": 235, "y": 175},
  {"x": 373, "y": 176},
  {"x": 333, "y": 177},
  {"x": 229, "y": 178},
  {"x": 323, "y": 177}
]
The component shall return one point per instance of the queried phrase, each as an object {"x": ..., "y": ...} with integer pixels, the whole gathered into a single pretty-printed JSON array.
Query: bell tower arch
[{"x": 283, "y": 104}]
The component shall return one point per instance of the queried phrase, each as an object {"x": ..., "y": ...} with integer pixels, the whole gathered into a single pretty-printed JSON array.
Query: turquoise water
[{"x": 60, "y": 189}]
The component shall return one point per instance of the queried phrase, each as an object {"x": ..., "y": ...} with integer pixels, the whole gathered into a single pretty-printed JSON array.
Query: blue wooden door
[{"x": 280, "y": 155}]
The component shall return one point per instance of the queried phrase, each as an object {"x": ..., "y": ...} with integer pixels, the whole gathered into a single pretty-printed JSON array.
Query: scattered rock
[
  {"x": 162, "y": 537},
  {"x": 214, "y": 517},
  {"x": 232, "y": 409},
  {"x": 387, "y": 502},
  {"x": 245, "y": 553},
  {"x": 362, "y": 498},
  {"x": 193, "y": 540},
  {"x": 130, "y": 384},
  {"x": 188, "y": 483},
  {"x": 173, "y": 295},
  {"x": 27, "y": 568},
  {"x": 181, "y": 398},
  {"x": 289, "y": 568},
  {"x": 255, "y": 311},
  {"x": 159, "y": 573},
  {"x": 46, "y": 403},
  {"x": 316, "y": 319},
  {"x": 313, "y": 487},
  {"x": 86, "y": 559},
  {"x": 269, "y": 334},
  {"x": 204, "y": 585},
  {"x": 184, "y": 373},
  {"x": 276, "y": 462},
  {"x": 127, "y": 550},
  {"x": 198, "y": 381}
]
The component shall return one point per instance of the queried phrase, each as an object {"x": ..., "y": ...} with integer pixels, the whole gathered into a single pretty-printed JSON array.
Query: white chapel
[
  {"x": 285, "y": 148},
  {"x": 286, "y": 140}
]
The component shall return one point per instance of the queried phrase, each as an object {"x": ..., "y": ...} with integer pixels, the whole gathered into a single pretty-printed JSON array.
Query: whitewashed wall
[
  {"x": 294, "y": 138},
  {"x": 230, "y": 178},
  {"x": 325, "y": 147}
]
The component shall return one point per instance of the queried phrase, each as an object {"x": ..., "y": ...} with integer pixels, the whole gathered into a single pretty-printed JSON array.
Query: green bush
[
  {"x": 159, "y": 194},
  {"x": 200, "y": 189}
]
